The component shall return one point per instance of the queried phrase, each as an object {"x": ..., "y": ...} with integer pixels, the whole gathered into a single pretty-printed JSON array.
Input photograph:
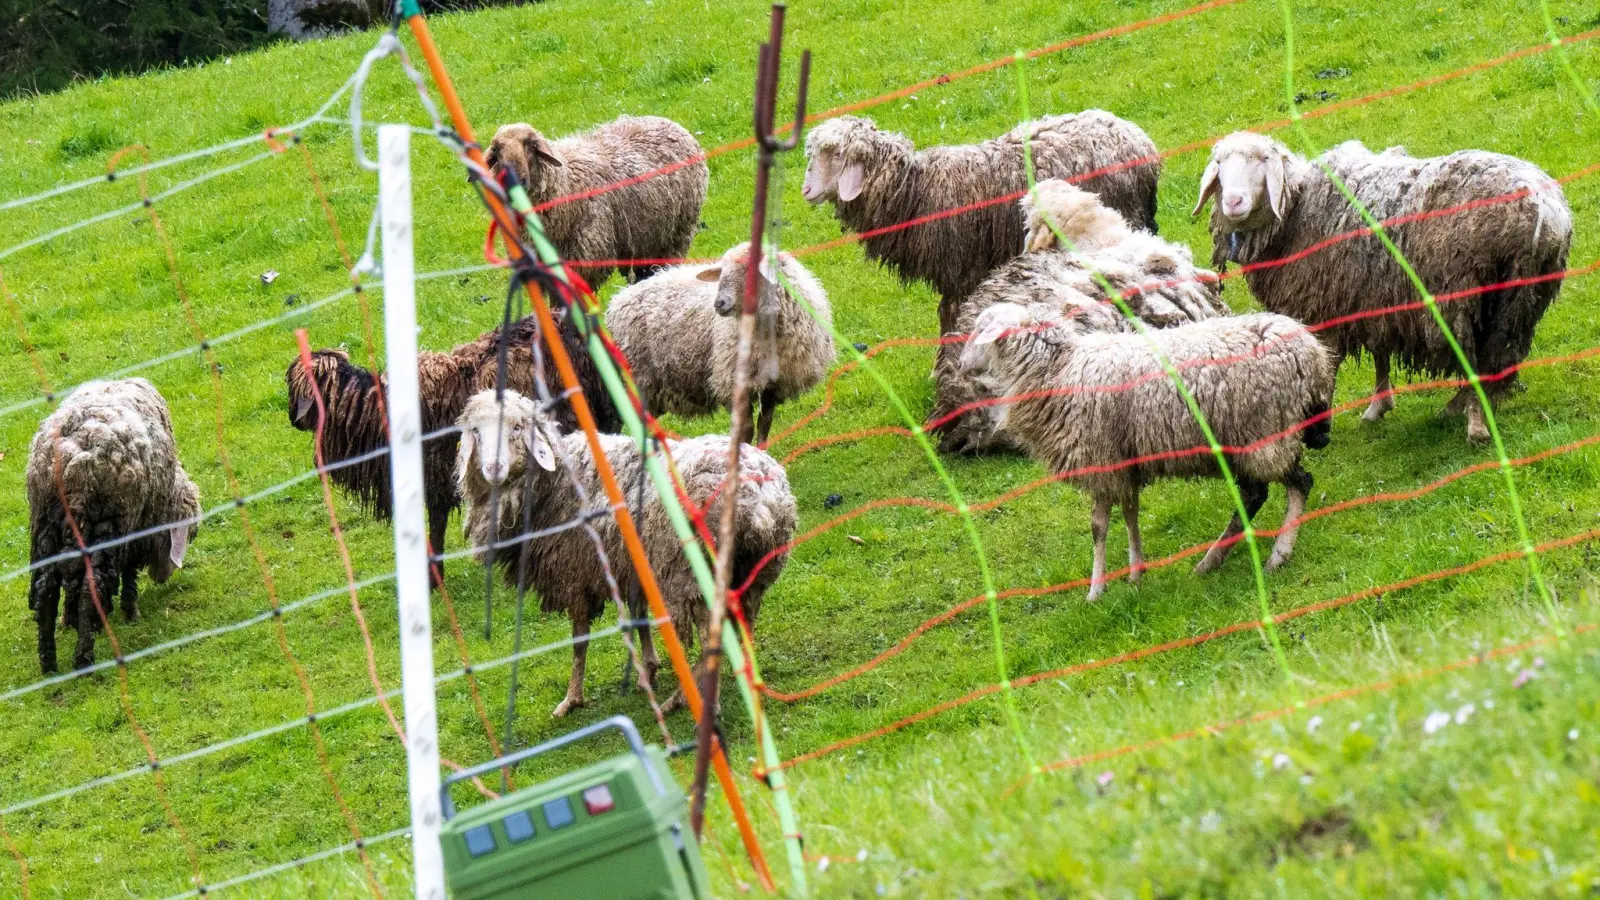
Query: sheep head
[
  {"x": 1074, "y": 213},
  {"x": 172, "y": 544},
  {"x": 332, "y": 374},
  {"x": 729, "y": 275},
  {"x": 528, "y": 154},
  {"x": 1249, "y": 175},
  {"x": 496, "y": 440},
  {"x": 843, "y": 154}
]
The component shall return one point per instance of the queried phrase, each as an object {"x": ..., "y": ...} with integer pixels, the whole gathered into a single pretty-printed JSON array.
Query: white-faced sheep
[
  {"x": 355, "y": 425},
  {"x": 528, "y": 456},
  {"x": 105, "y": 462},
  {"x": 680, "y": 331},
  {"x": 653, "y": 217},
  {"x": 877, "y": 179},
  {"x": 1101, "y": 405},
  {"x": 1156, "y": 278},
  {"x": 1273, "y": 203}
]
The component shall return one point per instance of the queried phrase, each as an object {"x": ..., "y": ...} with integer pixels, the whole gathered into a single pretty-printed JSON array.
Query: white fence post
[{"x": 410, "y": 544}]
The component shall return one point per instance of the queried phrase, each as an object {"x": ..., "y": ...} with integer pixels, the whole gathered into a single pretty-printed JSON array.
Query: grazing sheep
[
  {"x": 355, "y": 415},
  {"x": 876, "y": 179},
  {"x": 1156, "y": 278},
  {"x": 680, "y": 332},
  {"x": 653, "y": 218},
  {"x": 1273, "y": 203},
  {"x": 1255, "y": 378},
  {"x": 563, "y": 567},
  {"x": 110, "y": 444}
]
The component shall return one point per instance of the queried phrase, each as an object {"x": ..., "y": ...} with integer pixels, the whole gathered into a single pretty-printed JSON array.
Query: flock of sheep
[{"x": 1040, "y": 357}]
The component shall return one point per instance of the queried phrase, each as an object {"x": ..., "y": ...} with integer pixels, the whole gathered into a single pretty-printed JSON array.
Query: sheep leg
[
  {"x": 1254, "y": 495},
  {"x": 45, "y": 594},
  {"x": 438, "y": 525},
  {"x": 580, "y": 655},
  {"x": 83, "y": 653},
  {"x": 650, "y": 664},
  {"x": 1477, "y": 428},
  {"x": 747, "y": 428},
  {"x": 1298, "y": 484},
  {"x": 1130, "y": 517},
  {"x": 130, "y": 589},
  {"x": 1099, "y": 523},
  {"x": 1382, "y": 392},
  {"x": 769, "y": 405}
]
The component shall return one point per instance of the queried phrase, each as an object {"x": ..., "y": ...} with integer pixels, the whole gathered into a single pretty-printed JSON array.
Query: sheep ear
[
  {"x": 547, "y": 151},
  {"x": 302, "y": 408},
  {"x": 1041, "y": 236},
  {"x": 850, "y": 182},
  {"x": 180, "y": 544},
  {"x": 991, "y": 333},
  {"x": 1208, "y": 186},
  {"x": 766, "y": 269},
  {"x": 1277, "y": 172},
  {"x": 713, "y": 274},
  {"x": 539, "y": 446}
]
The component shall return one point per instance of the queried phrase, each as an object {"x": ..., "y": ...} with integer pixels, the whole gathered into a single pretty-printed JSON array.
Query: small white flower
[
  {"x": 1488, "y": 704},
  {"x": 1306, "y": 779},
  {"x": 1281, "y": 761},
  {"x": 1572, "y": 735},
  {"x": 822, "y": 864},
  {"x": 1465, "y": 713},
  {"x": 861, "y": 855},
  {"x": 1435, "y": 721},
  {"x": 1313, "y": 725},
  {"x": 1211, "y": 821},
  {"x": 1105, "y": 778},
  {"x": 1356, "y": 725}
]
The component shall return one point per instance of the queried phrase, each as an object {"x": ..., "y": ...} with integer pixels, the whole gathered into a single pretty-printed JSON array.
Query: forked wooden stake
[{"x": 768, "y": 147}]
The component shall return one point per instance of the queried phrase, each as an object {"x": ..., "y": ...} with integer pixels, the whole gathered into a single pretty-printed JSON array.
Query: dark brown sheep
[{"x": 356, "y": 426}]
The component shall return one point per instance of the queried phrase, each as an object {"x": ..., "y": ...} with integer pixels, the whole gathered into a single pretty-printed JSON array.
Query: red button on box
[{"x": 598, "y": 800}]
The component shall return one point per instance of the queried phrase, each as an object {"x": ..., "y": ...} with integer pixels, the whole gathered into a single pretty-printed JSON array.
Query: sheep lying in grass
[
  {"x": 528, "y": 455},
  {"x": 654, "y": 217},
  {"x": 680, "y": 333},
  {"x": 355, "y": 415},
  {"x": 109, "y": 451},
  {"x": 877, "y": 179},
  {"x": 1106, "y": 402},
  {"x": 1156, "y": 278},
  {"x": 1273, "y": 203}
]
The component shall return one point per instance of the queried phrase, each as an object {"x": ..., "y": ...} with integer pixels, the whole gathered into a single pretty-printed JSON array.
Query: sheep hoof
[
  {"x": 1276, "y": 560},
  {"x": 1477, "y": 434},
  {"x": 673, "y": 702},
  {"x": 1134, "y": 573},
  {"x": 566, "y": 706},
  {"x": 1096, "y": 592},
  {"x": 1208, "y": 564},
  {"x": 1376, "y": 411}
]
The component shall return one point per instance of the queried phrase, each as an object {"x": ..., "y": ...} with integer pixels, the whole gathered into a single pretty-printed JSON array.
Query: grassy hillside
[{"x": 1359, "y": 795}]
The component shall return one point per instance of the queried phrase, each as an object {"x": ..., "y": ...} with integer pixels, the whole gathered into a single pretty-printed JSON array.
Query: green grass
[{"x": 1506, "y": 803}]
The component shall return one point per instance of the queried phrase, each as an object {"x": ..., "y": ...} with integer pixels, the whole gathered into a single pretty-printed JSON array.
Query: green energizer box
[{"x": 616, "y": 829}]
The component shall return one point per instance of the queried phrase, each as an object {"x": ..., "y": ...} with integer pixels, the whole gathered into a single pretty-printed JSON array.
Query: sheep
[
  {"x": 355, "y": 424},
  {"x": 1156, "y": 278},
  {"x": 876, "y": 179},
  {"x": 563, "y": 567},
  {"x": 1273, "y": 203},
  {"x": 106, "y": 463},
  {"x": 1107, "y": 401},
  {"x": 654, "y": 217},
  {"x": 680, "y": 333}
]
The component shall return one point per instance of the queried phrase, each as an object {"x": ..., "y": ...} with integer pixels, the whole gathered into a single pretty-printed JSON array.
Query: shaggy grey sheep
[
  {"x": 356, "y": 427},
  {"x": 1255, "y": 377},
  {"x": 1273, "y": 203},
  {"x": 680, "y": 332},
  {"x": 653, "y": 218},
  {"x": 876, "y": 179},
  {"x": 111, "y": 444},
  {"x": 1156, "y": 278},
  {"x": 562, "y": 567}
]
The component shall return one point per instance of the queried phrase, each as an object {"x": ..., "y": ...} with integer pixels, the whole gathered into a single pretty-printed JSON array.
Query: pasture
[{"x": 1200, "y": 770}]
